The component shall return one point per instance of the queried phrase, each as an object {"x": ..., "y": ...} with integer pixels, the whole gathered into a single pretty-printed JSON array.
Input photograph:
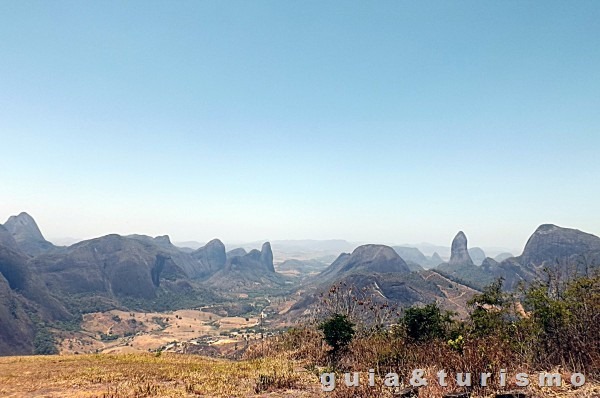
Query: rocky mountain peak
[
  {"x": 23, "y": 227},
  {"x": 266, "y": 256},
  {"x": 211, "y": 257},
  {"x": 459, "y": 252},
  {"x": 550, "y": 243},
  {"x": 366, "y": 259},
  {"x": 27, "y": 234}
]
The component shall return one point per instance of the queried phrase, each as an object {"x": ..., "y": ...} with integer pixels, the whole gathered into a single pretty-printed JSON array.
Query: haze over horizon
[{"x": 384, "y": 123}]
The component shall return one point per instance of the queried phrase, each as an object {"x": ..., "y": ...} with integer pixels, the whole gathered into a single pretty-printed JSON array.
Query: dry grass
[
  {"x": 148, "y": 375},
  {"x": 173, "y": 375}
]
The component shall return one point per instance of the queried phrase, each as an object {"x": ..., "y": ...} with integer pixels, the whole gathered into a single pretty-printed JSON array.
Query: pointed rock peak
[
  {"x": 213, "y": 248},
  {"x": 212, "y": 255},
  {"x": 23, "y": 226},
  {"x": 459, "y": 254},
  {"x": 266, "y": 256},
  {"x": 266, "y": 247}
]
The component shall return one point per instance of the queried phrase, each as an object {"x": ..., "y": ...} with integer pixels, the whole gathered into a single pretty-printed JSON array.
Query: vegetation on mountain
[{"x": 541, "y": 328}]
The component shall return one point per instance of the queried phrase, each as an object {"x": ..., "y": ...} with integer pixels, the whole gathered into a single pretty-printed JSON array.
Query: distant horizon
[{"x": 375, "y": 122}]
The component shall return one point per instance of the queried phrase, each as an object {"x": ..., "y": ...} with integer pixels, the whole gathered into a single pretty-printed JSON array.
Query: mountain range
[{"x": 42, "y": 285}]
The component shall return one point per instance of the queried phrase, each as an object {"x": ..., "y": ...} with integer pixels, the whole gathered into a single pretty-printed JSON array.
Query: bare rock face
[
  {"x": 254, "y": 261},
  {"x": 247, "y": 271},
  {"x": 211, "y": 259},
  {"x": 26, "y": 233},
  {"x": 266, "y": 257},
  {"x": 459, "y": 254},
  {"x": 7, "y": 240},
  {"x": 550, "y": 243},
  {"x": 366, "y": 259},
  {"x": 111, "y": 266}
]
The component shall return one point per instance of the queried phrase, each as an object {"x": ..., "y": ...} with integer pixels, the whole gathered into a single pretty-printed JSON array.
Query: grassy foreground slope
[
  {"x": 148, "y": 375},
  {"x": 175, "y": 375}
]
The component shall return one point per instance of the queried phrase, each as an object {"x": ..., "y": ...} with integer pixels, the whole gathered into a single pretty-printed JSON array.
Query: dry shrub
[{"x": 303, "y": 344}]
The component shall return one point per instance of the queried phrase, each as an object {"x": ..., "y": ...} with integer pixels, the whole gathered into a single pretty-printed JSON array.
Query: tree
[
  {"x": 338, "y": 332},
  {"x": 426, "y": 323},
  {"x": 490, "y": 310}
]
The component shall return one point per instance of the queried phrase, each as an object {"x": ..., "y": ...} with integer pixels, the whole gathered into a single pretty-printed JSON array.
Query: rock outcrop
[
  {"x": 211, "y": 258},
  {"x": 459, "y": 254},
  {"x": 366, "y": 259},
  {"x": 110, "y": 266},
  {"x": 27, "y": 234},
  {"x": 266, "y": 257},
  {"x": 254, "y": 269},
  {"x": 550, "y": 243}
]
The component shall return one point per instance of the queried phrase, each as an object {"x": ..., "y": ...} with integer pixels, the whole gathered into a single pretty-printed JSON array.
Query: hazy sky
[{"x": 399, "y": 121}]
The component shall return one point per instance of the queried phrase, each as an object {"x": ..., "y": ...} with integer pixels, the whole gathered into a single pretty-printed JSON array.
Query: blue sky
[{"x": 388, "y": 121}]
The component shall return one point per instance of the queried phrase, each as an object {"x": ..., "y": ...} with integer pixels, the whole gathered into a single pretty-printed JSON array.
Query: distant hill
[
  {"x": 376, "y": 271},
  {"x": 551, "y": 243},
  {"x": 112, "y": 265},
  {"x": 416, "y": 259},
  {"x": 301, "y": 268},
  {"x": 477, "y": 255},
  {"x": 563, "y": 250},
  {"x": 251, "y": 271},
  {"x": 366, "y": 258}
]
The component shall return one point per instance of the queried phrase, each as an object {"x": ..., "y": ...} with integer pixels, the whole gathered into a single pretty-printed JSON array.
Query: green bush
[
  {"x": 489, "y": 310},
  {"x": 426, "y": 323},
  {"x": 338, "y": 331},
  {"x": 44, "y": 343}
]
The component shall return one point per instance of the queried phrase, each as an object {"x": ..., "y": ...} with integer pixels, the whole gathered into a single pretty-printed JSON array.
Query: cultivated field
[{"x": 121, "y": 331}]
